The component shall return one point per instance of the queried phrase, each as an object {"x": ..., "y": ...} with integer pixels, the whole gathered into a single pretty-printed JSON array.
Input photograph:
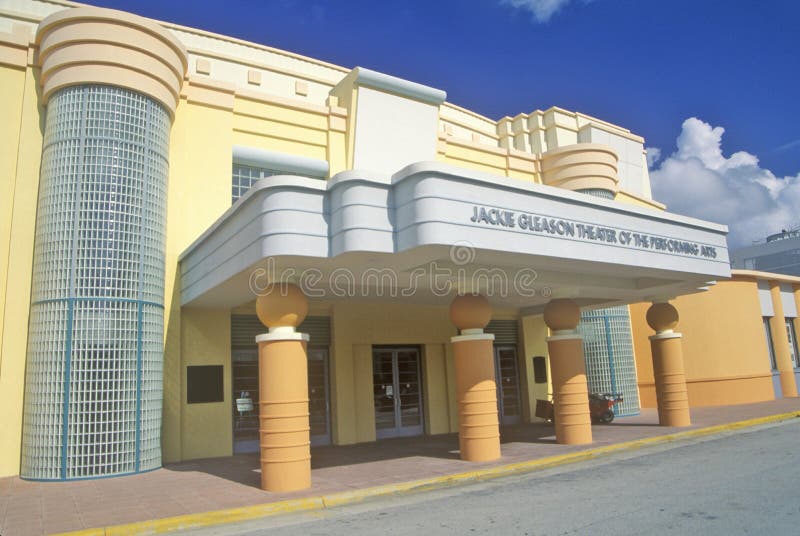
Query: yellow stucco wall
[
  {"x": 199, "y": 192},
  {"x": 724, "y": 347},
  {"x": 357, "y": 325},
  {"x": 207, "y": 125},
  {"x": 207, "y": 428},
  {"x": 22, "y": 123},
  {"x": 534, "y": 336}
]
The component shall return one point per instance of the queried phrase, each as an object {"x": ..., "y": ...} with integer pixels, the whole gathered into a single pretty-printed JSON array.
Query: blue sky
[{"x": 647, "y": 65}]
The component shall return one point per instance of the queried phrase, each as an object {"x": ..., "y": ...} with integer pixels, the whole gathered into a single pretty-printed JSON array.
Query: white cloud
[
  {"x": 653, "y": 156},
  {"x": 542, "y": 10},
  {"x": 698, "y": 180}
]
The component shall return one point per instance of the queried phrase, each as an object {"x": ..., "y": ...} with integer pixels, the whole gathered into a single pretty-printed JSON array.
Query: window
[
  {"x": 770, "y": 348},
  {"x": 792, "y": 342},
  {"x": 246, "y": 176},
  {"x": 251, "y": 164}
]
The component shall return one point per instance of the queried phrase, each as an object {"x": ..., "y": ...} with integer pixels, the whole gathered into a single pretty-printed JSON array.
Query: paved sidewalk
[{"x": 34, "y": 508}]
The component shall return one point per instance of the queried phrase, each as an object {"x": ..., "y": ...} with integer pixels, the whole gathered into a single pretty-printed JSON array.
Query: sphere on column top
[
  {"x": 662, "y": 317},
  {"x": 470, "y": 311},
  {"x": 282, "y": 305},
  {"x": 562, "y": 314}
]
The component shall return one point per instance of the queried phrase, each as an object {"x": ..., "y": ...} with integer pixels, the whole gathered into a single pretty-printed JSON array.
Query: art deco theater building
[{"x": 212, "y": 247}]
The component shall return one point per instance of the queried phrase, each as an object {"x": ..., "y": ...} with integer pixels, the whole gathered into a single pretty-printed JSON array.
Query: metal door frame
[
  {"x": 247, "y": 445},
  {"x": 399, "y": 430},
  {"x": 513, "y": 419},
  {"x": 323, "y": 439}
]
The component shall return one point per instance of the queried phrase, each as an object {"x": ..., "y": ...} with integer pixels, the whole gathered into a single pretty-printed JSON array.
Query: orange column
[
  {"x": 284, "y": 431},
  {"x": 668, "y": 372},
  {"x": 568, "y": 371},
  {"x": 796, "y": 321},
  {"x": 476, "y": 389},
  {"x": 780, "y": 342}
]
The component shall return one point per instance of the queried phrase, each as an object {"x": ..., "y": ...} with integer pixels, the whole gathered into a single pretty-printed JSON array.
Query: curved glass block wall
[
  {"x": 608, "y": 351},
  {"x": 94, "y": 366}
]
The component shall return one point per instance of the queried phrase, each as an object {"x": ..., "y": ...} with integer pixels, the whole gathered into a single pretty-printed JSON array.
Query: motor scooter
[{"x": 601, "y": 408}]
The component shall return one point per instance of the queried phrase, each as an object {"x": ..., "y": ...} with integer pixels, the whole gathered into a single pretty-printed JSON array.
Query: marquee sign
[{"x": 586, "y": 232}]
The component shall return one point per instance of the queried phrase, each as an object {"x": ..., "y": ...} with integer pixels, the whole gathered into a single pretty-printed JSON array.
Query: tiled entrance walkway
[{"x": 214, "y": 484}]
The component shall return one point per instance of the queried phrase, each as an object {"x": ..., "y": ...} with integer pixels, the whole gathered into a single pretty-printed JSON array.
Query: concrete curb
[{"x": 219, "y": 517}]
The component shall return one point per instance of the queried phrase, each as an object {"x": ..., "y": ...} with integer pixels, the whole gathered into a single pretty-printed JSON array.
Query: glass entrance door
[
  {"x": 319, "y": 410},
  {"x": 245, "y": 398},
  {"x": 397, "y": 392},
  {"x": 505, "y": 371}
]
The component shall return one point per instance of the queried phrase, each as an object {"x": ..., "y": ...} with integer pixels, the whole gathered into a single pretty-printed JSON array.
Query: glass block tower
[
  {"x": 95, "y": 352},
  {"x": 608, "y": 351}
]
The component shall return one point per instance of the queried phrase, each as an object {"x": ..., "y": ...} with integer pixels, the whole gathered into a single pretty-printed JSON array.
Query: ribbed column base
[
  {"x": 570, "y": 391},
  {"x": 670, "y": 380},
  {"x": 476, "y": 390},
  {"x": 284, "y": 430}
]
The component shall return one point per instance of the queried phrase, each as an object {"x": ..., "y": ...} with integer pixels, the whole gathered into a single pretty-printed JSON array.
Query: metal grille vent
[
  {"x": 597, "y": 192},
  {"x": 505, "y": 331},
  {"x": 244, "y": 329}
]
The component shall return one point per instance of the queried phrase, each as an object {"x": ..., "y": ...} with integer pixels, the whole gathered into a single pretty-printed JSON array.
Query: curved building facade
[
  {"x": 158, "y": 178},
  {"x": 95, "y": 338}
]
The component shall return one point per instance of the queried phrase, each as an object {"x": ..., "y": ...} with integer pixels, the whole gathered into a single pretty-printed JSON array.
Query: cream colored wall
[
  {"x": 488, "y": 158},
  {"x": 631, "y": 199},
  {"x": 23, "y": 126},
  {"x": 207, "y": 428},
  {"x": 534, "y": 343},
  {"x": 356, "y": 327},
  {"x": 724, "y": 346}
]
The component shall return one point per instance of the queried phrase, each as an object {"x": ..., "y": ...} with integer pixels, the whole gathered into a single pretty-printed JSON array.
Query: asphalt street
[{"x": 738, "y": 483}]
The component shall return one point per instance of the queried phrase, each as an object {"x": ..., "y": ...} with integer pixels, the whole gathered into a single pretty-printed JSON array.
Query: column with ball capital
[
  {"x": 568, "y": 370},
  {"x": 668, "y": 371},
  {"x": 284, "y": 430},
  {"x": 476, "y": 388}
]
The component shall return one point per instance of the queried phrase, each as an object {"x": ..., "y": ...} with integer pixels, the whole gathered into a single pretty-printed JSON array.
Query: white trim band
[
  {"x": 665, "y": 335},
  {"x": 472, "y": 331},
  {"x": 473, "y": 337},
  {"x": 280, "y": 162},
  {"x": 565, "y": 337},
  {"x": 404, "y": 88},
  {"x": 283, "y": 336}
]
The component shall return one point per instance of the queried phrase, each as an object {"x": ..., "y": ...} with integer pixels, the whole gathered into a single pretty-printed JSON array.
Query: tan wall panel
[{"x": 723, "y": 338}]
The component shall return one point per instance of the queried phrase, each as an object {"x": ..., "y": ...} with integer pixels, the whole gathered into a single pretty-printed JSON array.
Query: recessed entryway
[{"x": 397, "y": 391}]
